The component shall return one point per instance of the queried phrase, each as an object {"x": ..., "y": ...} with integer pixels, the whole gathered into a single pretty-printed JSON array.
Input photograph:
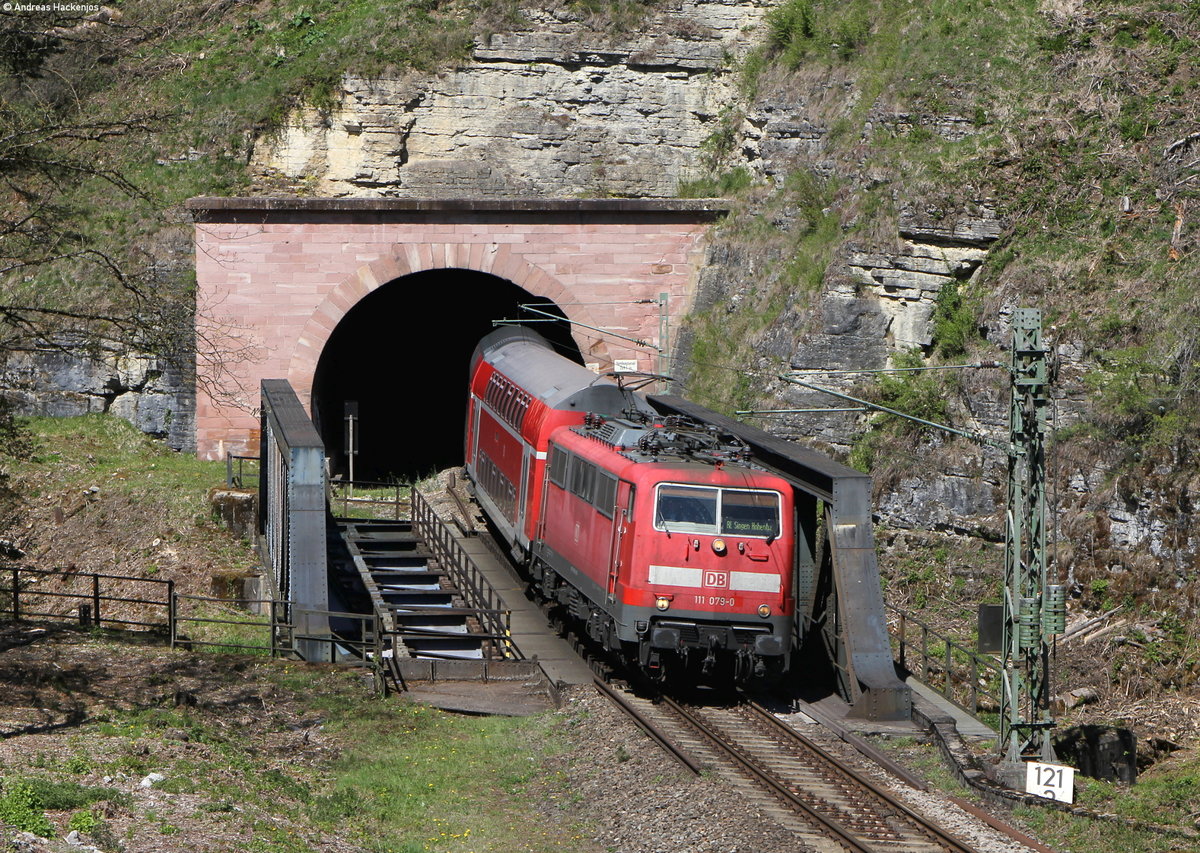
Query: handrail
[
  {"x": 238, "y": 480},
  {"x": 347, "y": 496},
  {"x": 494, "y": 618},
  {"x": 90, "y": 611},
  {"x": 17, "y": 595},
  {"x": 951, "y": 677}
]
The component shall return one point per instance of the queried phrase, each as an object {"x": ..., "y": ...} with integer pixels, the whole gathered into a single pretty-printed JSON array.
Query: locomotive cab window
[
  {"x": 716, "y": 511},
  {"x": 606, "y": 494},
  {"x": 558, "y": 466},
  {"x": 745, "y": 513},
  {"x": 686, "y": 508},
  {"x": 583, "y": 478}
]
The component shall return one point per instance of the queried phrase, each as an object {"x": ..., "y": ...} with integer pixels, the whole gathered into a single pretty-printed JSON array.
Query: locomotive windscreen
[
  {"x": 749, "y": 513},
  {"x": 728, "y": 512}
]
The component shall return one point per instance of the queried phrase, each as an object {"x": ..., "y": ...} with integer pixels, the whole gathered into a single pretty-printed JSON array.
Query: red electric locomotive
[{"x": 657, "y": 534}]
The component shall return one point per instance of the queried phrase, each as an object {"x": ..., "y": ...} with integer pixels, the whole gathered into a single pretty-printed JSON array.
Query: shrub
[
  {"x": 799, "y": 28},
  {"x": 954, "y": 325},
  {"x": 19, "y": 808}
]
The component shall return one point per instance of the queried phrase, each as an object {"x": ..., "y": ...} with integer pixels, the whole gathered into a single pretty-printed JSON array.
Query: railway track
[{"x": 776, "y": 769}]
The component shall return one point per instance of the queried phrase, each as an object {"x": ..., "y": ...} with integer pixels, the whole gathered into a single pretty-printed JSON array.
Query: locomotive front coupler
[{"x": 710, "y": 659}]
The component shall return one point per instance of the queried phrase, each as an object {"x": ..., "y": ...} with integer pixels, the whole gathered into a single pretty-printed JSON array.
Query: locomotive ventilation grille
[{"x": 613, "y": 433}]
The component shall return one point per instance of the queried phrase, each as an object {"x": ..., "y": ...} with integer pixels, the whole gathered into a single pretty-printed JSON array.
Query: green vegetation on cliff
[{"x": 1077, "y": 125}]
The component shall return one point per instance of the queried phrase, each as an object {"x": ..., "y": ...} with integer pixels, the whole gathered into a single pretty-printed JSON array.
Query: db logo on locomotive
[{"x": 716, "y": 579}]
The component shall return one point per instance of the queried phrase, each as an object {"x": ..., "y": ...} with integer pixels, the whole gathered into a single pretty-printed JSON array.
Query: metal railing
[
  {"x": 278, "y": 629},
  {"x": 394, "y": 500},
  {"x": 126, "y": 602},
  {"x": 236, "y": 475},
  {"x": 87, "y": 597},
  {"x": 495, "y": 621},
  {"x": 960, "y": 673}
]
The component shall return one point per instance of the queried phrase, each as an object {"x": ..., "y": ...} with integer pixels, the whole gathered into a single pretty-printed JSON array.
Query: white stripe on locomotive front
[{"x": 694, "y": 579}]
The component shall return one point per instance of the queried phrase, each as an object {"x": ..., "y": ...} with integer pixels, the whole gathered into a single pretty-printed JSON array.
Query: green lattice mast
[{"x": 1034, "y": 610}]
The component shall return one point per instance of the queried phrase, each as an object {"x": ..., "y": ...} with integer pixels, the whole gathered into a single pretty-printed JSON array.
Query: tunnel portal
[{"x": 402, "y": 354}]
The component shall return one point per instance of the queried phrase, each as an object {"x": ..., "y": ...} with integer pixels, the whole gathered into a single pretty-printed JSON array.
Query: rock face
[
  {"x": 878, "y": 295},
  {"x": 154, "y": 394},
  {"x": 552, "y": 111},
  {"x": 930, "y": 255}
]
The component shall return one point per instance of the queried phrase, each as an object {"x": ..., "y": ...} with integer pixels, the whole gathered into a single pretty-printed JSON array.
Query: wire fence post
[
  {"x": 272, "y": 636},
  {"x": 16, "y": 594},
  {"x": 172, "y": 613},
  {"x": 96, "y": 597},
  {"x": 924, "y": 653},
  {"x": 974, "y": 686}
]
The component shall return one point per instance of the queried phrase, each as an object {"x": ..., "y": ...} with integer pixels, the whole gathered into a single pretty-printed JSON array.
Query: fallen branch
[
  {"x": 1075, "y": 630},
  {"x": 1180, "y": 143},
  {"x": 1105, "y": 631}
]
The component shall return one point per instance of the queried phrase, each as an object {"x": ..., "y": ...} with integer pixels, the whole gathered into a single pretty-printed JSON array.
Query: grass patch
[
  {"x": 717, "y": 186},
  {"x": 109, "y": 477},
  {"x": 387, "y": 775},
  {"x": 405, "y": 784},
  {"x": 24, "y": 800}
]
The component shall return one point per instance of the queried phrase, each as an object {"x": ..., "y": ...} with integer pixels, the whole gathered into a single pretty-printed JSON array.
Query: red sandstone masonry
[{"x": 285, "y": 279}]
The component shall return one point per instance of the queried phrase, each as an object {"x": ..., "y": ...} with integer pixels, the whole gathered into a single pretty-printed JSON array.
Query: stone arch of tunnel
[
  {"x": 275, "y": 277},
  {"x": 402, "y": 354}
]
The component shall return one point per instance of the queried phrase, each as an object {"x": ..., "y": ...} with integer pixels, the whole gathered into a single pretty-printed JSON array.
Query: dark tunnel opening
[{"x": 402, "y": 353}]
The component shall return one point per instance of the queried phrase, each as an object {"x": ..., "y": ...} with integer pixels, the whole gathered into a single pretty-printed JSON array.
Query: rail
[
  {"x": 955, "y": 670},
  {"x": 494, "y": 619}
]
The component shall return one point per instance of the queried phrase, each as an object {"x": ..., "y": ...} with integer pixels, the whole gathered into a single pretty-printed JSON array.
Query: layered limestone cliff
[{"x": 552, "y": 110}]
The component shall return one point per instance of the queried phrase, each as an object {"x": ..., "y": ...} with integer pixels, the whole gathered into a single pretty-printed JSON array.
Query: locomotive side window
[
  {"x": 583, "y": 478},
  {"x": 749, "y": 513},
  {"x": 558, "y": 466},
  {"x": 686, "y": 508},
  {"x": 727, "y": 512},
  {"x": 606, "y": 494}
]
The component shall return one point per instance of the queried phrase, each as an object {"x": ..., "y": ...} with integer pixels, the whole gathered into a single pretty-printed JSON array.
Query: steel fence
[
  {"x": 91, "y": 598},
  {"x": 391, "y": 497},
  {"x": 960, "y": 673},
  {"x": 151, "y": 605},
  {"x": 494, "y": 619}
]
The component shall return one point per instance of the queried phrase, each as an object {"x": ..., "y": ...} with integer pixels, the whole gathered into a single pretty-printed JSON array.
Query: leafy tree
[{"x": 58, "y": 272}]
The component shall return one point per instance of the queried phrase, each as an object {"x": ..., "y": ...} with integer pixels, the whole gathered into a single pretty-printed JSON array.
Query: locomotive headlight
[
  {"x": 764, "y": 610},
  {"x": 719, "y": 546},
  {"x": 662, "y": 602}
]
